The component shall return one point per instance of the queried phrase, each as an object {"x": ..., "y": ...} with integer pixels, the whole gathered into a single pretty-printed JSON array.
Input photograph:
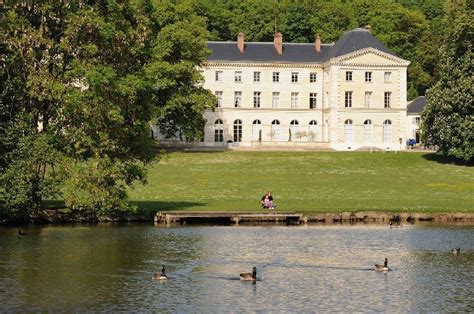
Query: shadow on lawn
[
  {"x": 447, "y": 160},
  {"x": 145, "y": 208},
  {"x": 152, "y": 207}
]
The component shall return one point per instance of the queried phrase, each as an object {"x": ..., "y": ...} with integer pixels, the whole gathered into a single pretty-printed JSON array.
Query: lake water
[{"x": 300, "y": 268}]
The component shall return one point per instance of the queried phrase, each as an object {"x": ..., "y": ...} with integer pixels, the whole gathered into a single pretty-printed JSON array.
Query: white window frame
[
  {"x": 238, "y": 76},
  {"x": 294, "y": 130},
  {"x": 237, "y": 135},
  {"x": 237, "y": 99},
  {"x": 387, "y": 99},
  {"x": 294, "y": 77},
  {"x": 313, "y": 100},
  {"x": 348, "y": 76},
  {"x": 218, "y": 131},
  {"x": 219, "y": 76},
  {"x": 368, "y": 131},
  {"x": 256, "y": 128},
  {"x": 387, "y": 132},
  {"x": 218, "y": 95},
  {"x": 294, "y": 100},
  {"x": 368, "y": 77},
  {"x": 275, "y": 130},
  {"x": 348, "y": 99},
  {"x": 313, "y": 77},
  {"x": 387, "y": 77},
  {"x": 256, "y": 99},
  {"x": 275, "y": 99},
  {"x": 368, "y": 100},
  {"x": 348, "y": 131},
  {"x": 276, "y": 77},
  {"x": 256, "y": 76},
  {"x": 313, "y": 130}
]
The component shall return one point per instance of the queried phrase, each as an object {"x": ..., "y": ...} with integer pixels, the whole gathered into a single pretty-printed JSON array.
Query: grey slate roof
[
  {"x": 416, "y": 105},
  {"x": 351, "y": 41},
  {"x": 261, "y": 52}
]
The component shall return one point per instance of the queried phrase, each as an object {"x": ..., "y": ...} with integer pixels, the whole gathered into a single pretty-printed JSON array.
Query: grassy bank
[{"x": 307, "y": 182}]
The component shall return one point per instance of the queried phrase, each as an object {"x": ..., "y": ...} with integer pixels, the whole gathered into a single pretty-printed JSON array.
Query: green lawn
[{"x": 307, "y": 182}]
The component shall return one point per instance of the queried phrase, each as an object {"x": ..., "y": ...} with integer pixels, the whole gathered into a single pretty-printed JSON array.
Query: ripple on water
[{"x": 299, "y": 269}]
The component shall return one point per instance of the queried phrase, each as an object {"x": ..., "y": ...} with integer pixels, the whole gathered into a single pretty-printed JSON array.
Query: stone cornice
[
  {"x": 230, "y": 64},
  {"x": 346, "y": 59}
]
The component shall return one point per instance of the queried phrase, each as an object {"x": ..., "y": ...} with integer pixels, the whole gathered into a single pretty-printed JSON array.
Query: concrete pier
[{"x": 229, "y": 218}]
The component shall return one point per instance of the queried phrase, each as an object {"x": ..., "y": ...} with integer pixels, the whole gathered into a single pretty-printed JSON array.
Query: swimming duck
[
  {"x": 21, "y": 233},
  {"x": 383, "y": 267},
  {"x": 162, "y": 275},
  {"x": 249, "y": 276},
  {"x": 456, "y": 250}
]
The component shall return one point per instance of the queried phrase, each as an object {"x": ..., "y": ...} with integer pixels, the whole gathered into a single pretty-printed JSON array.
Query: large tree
[
  {"x": 448, "y": 118},
  {"x": 81, "y": 83}
]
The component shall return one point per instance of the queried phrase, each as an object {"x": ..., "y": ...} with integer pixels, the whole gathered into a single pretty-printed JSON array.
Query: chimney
[
  {"x": 278, "y": 42},
  {"x": 318, "y": 44},
  {"x": 240, "y": 42},
  {"x": 368, "y": 28}
]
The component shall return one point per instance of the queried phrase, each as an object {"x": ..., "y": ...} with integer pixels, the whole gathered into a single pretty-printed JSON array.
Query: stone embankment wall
[{"x": 385, "y": 217}]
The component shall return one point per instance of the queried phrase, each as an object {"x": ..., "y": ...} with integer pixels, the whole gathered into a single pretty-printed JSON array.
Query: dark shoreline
[{"x": 55, "y": 217}]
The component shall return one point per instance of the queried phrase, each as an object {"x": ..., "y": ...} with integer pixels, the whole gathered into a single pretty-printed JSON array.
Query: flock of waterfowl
[{"x": 253, "y": 275}]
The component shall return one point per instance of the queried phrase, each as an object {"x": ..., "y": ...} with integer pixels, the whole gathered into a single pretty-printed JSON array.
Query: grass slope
[{"x": 307, "y": 182}]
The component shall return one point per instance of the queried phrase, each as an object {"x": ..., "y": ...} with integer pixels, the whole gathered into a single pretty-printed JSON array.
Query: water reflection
[{"x": 299, "y": 269}]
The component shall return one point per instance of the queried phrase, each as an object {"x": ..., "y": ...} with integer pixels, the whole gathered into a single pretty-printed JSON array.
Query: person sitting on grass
[{"x": 267, "y": 201}]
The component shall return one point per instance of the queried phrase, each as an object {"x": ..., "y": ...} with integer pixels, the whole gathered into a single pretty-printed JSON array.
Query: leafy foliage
[
  {"x": 81, "y": 82},
  {"x": 448, "y": 118}
]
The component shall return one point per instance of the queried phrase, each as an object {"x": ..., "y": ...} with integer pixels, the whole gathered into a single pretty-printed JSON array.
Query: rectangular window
[
  {"x": 256, "y": 76},
  {"x": 386, "y": 99},
  {"x": 218, "y": 135},
  {"x": 238, "y": 76},
  {"x": 294, "y": 100},
  {"x": 237, "y": 99},
  {"x": 294, "y": 77},
  {"x": 368, "y": 99},
  {"x": 256, "y": 99},
  {"x": 417, "y": 120},
  {"x": 313, "y": 100},
  {"x": 312, "y": 77},
  {"x": 348, "y": 76},
  {"x": 387, "y": 77},
  {"x": 276, "y": 76},
  {"x": 275, "y": 99},
  {"x": 219, "y": 99},
  {"x": 368, "y": 76},
  {"x": 348, "y": 100},
  {"x": 219, "y": 75}
]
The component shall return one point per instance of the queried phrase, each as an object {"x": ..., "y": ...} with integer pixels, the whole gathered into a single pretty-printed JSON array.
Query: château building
[{"x": 346, "y": 95}]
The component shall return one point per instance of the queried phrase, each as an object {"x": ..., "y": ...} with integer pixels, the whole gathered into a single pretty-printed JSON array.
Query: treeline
[
  {"x": 80, "y": 83},
  {"x": 82, "y": 80},
  {"x": 412, "y": 29}
]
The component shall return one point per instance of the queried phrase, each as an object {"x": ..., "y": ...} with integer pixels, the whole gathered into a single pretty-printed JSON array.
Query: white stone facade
[
  {"x": 334, "y": 125},
  {"x": 360, "y": 102}
]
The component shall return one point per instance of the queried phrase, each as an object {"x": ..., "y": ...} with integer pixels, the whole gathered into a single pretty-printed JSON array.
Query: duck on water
[
  {"x": 161, "y": 275},
  {"x": 249, "y": 276},
  {"x": 383, "y": 267}
]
